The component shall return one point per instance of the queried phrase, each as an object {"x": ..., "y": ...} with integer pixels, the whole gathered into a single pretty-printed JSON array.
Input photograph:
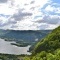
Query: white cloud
[
  {"x": 54, "y": 8},
  {"x": 3, "y": 1},
  {"x": 22, "y": 15},
  {"x": 49, "y": 8},
  {"x": 58, "y": 10}
]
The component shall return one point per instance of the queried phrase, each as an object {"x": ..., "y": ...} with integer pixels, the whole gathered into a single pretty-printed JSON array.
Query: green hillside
[{"x": 48, "y": 48}]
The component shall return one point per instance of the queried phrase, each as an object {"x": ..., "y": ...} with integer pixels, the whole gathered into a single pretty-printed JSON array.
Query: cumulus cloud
[
  {"x": 6, "y": 22},
  {"x": 44, "y": 26},
  {"x": 21, "y": 15},
  {"x": 3, "y": 1},
  {"x": 32, "y": 2},
  {"x": 52, "y": 9},
  {"x": 29, "y": 14},
  {"x": 49, "y": 20}
]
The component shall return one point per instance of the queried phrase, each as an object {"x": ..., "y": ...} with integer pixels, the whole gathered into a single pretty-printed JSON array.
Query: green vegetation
[
  {"x": 48, "y": 48},
  {"x": 20, "y": 45},
  {"x": 11, "y": 57},
  {"x": 8, "y": 57}
]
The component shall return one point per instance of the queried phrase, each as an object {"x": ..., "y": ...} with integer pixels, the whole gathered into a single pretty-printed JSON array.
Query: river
[{"x": 7, "y": 48}]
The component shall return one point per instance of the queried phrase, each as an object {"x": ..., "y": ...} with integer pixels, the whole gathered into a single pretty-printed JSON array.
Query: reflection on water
[{"x": 7, "y": 48}]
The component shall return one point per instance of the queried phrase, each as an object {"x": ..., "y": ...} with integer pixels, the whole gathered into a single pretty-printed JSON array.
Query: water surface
[{"x": 7, "y": 48}]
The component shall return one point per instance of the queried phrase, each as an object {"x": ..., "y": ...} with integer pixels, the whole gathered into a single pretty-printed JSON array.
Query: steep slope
[
  {"x": 49, "y": 43},
  {"x": 48, "y": 48}
]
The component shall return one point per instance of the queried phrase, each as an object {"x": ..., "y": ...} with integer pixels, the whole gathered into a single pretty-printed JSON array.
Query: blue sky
[
  {"x": 56, "y": 1},
  {"x": 29, "y": 14}
]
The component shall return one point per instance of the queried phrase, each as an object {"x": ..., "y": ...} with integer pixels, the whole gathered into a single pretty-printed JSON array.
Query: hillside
[
  {"x": 50, "y": 42},
  {"x": 23, "y": 37},
  {"x": 48, "y": 48}
]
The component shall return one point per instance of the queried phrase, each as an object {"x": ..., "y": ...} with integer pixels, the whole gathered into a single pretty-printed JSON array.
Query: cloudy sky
[{"x": 29, "y": 14}]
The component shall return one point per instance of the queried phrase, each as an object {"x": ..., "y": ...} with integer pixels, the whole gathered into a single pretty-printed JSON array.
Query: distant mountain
[
  {"x": 25, "y": 36},
  {"x": 48, "y": 48}
]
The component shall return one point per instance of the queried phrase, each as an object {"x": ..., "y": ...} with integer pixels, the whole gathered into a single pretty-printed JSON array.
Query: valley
[
  {"x": 46, "y": 48},
  {"x": 19, "y": 43}
]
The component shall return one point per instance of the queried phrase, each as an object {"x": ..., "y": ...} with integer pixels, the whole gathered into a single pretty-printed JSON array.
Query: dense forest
[{"x": 47, "y": 48}]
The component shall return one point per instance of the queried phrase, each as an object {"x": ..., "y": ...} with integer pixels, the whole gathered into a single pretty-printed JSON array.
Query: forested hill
[
  {"x": 50, "y": 42},
  {"x": 48, "y": 48},
  {"x": 25, "y": 35}
]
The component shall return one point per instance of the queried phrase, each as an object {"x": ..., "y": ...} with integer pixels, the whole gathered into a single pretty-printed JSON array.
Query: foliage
[
  {"x": 49, "y": 43},
  {"x": 48, "y": 48},
  {"x": 8, "y": 57}
]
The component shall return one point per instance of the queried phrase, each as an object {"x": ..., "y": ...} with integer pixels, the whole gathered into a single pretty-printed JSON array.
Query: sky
[{"x": 29, "y": 14}]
